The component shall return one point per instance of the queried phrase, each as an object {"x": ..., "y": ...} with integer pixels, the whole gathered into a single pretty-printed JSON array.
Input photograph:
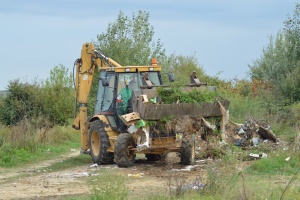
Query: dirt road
[{"x": 38, "y": 181}]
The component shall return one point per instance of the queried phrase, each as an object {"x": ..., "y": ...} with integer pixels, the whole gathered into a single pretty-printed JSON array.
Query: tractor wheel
[
  {"x": 99, "y": 143},
  {"x": 124, "y": 157},
  {"x": 153, "y": 157},
  {"x": 187, "y": 151}
]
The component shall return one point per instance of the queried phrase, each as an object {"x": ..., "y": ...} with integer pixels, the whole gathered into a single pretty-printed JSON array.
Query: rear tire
[
  {"x": 124, "y": 157},
  {"x": 99, "y": 143},
  {"x": 187, "y": 151}
]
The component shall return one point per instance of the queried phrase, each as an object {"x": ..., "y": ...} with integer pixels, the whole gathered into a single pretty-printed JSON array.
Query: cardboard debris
[{"x": 266, "y": 134}]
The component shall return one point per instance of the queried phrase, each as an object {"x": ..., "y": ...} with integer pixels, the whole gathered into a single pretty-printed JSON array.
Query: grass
[
  {"x": 108, "y": 185},
  {"x": 278, "y": 163},
  {"x": 269, "y": 178},
  {"x": 13, "y": 157},
  {"x": 80, "y": 160},
  {"x": 24, "y": 143}
]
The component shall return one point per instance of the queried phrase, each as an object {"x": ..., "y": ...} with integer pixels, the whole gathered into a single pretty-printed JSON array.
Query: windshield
[
  {"x": 135, "y": 80},
  {"x": 104, "y": 97},
  {"x": 152, "y": 76},
  {"x": 125, "y": 83}
]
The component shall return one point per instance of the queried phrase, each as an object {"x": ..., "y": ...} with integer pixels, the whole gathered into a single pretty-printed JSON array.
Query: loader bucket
[
  {"x": 151, "y": 111},
  {"x": 203, "y": 109}
]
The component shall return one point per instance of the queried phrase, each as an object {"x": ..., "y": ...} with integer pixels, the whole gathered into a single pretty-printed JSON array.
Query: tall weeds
[{"x": 20, "y": 142}]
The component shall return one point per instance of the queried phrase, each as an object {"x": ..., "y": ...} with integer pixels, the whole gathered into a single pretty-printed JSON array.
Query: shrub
[{"x": 21, "y": 102}]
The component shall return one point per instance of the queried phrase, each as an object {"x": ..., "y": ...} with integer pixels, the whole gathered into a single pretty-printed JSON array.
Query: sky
[{"x": 224, "y": 35}]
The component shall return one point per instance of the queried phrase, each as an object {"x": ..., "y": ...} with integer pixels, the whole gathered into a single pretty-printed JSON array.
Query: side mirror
[
  {"x": 104, "y": 82},
  {"x": 171, "y": 77}
]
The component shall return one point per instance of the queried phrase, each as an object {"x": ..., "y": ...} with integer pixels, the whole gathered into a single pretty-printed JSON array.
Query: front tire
[
  {"x": 99, "y": 143},
  {"x": 187, "y": 151},
  {"x": 124, "y": 157}
]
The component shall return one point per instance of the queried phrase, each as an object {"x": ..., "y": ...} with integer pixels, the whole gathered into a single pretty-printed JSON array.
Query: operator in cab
[{"x": 124, "y": 98}]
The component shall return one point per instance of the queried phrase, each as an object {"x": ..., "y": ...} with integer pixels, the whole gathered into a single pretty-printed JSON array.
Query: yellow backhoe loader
[{"x": 127, "y": 115}]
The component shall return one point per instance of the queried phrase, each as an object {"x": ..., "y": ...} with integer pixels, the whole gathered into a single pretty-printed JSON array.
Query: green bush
[
  {"x": 52, "y": 99},
  {"x": 22, "y": 101},
  {"x": 177, "y": 93}
]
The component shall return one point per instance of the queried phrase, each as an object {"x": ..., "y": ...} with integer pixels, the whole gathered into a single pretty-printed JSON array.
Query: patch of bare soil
[
  {"x": 31, "y": 182},
  {"x": 143, "y": 178}
]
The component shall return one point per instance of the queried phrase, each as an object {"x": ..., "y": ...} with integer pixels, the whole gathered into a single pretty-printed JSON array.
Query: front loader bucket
[{"x": 202, "y": 109}]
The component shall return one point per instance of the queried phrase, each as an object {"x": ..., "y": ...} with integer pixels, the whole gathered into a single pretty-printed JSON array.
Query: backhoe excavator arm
[{"x": 85, "y": 71}]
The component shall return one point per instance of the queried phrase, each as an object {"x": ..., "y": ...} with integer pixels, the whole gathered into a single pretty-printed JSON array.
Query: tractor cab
[{"x": 115, "y": 89}]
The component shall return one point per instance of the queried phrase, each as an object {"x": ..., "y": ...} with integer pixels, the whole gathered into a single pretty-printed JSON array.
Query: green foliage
[
  {"x": 177, "y": 93},
  {"x": 22, "y": 101},
  {"x": 109, "y": 186},
  {"x": 58, "y": 95},
  {"x": 50, "y": 100},
  {"x": 182, "y": 67},
  {"x": 279, "y": 63},
  {"x": 242, "y": 108},
  {"x": 129, "y": 41}
]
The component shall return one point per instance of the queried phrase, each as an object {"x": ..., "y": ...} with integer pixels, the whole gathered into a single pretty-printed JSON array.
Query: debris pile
[
  {"x": 213, "y": 136},
  {"x": 251, "y": 133}
]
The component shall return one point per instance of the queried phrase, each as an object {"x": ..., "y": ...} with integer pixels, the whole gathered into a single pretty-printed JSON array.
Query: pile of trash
[{"x": 251, "y": 133}]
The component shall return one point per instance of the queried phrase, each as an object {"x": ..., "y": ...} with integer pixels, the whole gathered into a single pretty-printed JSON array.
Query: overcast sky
[{"x": 225, "y": 35}]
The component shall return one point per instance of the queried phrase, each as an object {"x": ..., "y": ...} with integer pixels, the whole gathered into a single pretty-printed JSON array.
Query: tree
[
  {"x": 279, "y": 63},
  {"x": 182, "y": 67},
  {"x": 22, "y": 101},
  {"x": 58, "y": 95},
  {"x": 129, "y": 41}
]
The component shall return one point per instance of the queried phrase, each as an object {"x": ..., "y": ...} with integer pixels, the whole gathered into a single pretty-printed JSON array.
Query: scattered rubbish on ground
[
  {"x": 199, "y": 186},
  {"x": 196, "y": 185},
  {"x": 94, "y": 165},
  {"x": 261, "y": 155},
  {"x": 79, "y": 174},
  {"x": 200, "y": 161},
  {"x": 288, "y": 158},
  {"x": 138, "y": 175},
  {"x": 187, "y": 168}
]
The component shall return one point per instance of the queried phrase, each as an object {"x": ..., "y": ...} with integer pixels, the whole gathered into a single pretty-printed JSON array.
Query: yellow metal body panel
[{"x": 132, "y": 68}]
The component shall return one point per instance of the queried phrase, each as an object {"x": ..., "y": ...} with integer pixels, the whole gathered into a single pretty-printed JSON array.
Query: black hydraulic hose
[
  {"x": 103, "y": 58},
  {"x": 76, "y": 61},
  {"x": 75, "y": 99}
]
